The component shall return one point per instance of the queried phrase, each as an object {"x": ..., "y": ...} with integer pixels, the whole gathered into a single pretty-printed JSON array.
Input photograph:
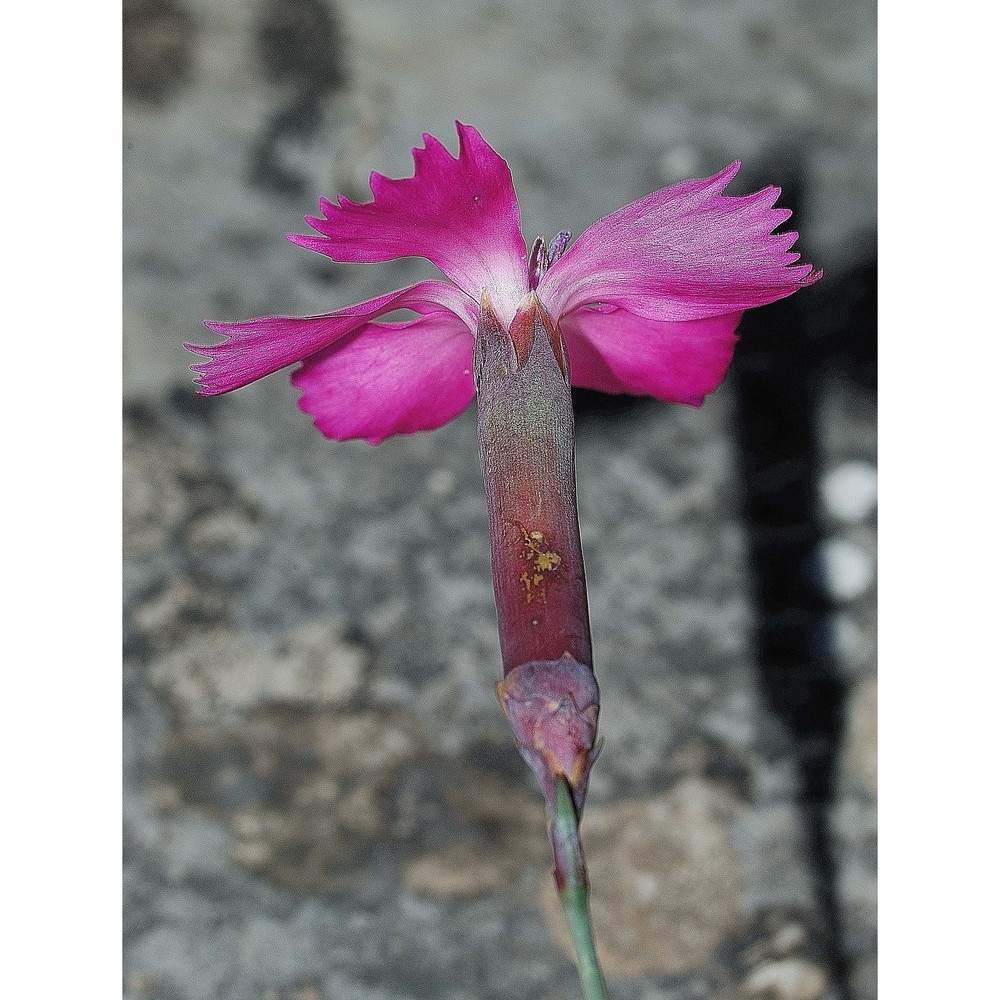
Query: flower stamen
[
  {"x": 558, "y": 246},
  {"x": 538, "y": 263}
]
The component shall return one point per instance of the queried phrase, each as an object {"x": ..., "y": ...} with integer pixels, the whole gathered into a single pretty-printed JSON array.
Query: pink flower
[{"x": 647, "y": 299}]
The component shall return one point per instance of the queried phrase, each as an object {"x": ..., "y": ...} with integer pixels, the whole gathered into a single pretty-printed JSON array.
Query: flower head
[{"x": 647, "y": 300}]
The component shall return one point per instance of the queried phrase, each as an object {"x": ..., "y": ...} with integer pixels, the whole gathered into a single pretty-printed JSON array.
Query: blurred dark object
[
  {"x": 293, "y": 122},
  {"x": 590, "y": 405},
  {"x": 785, "y": 355},
  {"x": 157, "y": 38},
  {"x": 842, "y": 319},
  {"x": 776, "y": 378},
  {"x": 301, "y": 46},
  {"x": 301, "y": 41}
]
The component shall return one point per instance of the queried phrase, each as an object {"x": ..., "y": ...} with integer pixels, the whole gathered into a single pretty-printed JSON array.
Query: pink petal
[
  {"x": 390, "y": 378},
  {"x": 257, "y": 347},
  {"x": 461, "y": 214},
  {"x": 679, "y": 362},
  {"x": 684, "y": 252}
]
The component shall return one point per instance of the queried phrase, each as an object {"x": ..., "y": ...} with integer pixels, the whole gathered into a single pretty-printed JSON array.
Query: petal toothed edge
[
  {"x": 684, "y": 252},
  {"x": 461, "y": 213},
  {"x": 256, "y": 347}
]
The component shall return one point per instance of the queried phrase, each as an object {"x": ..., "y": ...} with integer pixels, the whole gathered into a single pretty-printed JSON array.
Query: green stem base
[{"x": 571, "y": 881}]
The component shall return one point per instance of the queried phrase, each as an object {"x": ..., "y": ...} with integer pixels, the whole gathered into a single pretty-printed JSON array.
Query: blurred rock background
[{"x": 322, "y": 798}]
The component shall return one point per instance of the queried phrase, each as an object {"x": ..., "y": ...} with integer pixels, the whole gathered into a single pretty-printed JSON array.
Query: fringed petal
[
  {"x": 460, "y": 213},
  {"x": 257, "y": 347},
  {"x": 684, "y": 252}
]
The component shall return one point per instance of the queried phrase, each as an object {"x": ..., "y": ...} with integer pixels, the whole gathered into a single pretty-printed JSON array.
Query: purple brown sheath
[{"x": 549, "y": 692}]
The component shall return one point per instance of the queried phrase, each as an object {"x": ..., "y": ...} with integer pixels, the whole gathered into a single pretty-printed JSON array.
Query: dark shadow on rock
[
  {"x": 185, "y": 401},
  {"x": 292, "y": 123},
  {"x": 786, "y": 351},
  {"x": 300, "y": 41},
  {"x": 589, "y": 405},
  {"x": 157, "y": 42},
  {"x": 301, "y": 47}
]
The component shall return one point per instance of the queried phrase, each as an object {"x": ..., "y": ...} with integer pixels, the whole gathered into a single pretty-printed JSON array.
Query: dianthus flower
[{"x": 646, "y": 301}]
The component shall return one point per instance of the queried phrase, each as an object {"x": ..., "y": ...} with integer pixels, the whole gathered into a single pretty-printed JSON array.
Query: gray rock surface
[{"x": 322, "y": 798}]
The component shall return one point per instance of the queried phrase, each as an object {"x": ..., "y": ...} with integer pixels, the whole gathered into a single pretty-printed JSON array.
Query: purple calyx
[{"x": 552, "y": 706}]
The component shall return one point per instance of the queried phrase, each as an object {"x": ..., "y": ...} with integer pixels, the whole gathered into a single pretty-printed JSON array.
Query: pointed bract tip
[
  {"x": 487, "y": 314},
  {"x": 532, "y": 317}
]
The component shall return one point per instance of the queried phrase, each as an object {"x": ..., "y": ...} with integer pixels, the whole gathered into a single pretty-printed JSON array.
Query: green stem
[{"x": 572, "y": 883}]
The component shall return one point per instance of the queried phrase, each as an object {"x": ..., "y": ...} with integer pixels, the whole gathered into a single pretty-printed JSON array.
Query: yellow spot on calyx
[{"x": 542, "y": 560}]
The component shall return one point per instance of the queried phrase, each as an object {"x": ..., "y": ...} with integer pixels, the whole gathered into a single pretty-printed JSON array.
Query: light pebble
[{"x": 850, "y": 491}]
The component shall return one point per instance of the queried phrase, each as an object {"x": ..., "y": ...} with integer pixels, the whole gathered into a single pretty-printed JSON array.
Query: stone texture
[
  {"x": 456, "y": 873},
  {"x": 322, "y": 799},
  {"x": 860, "y": 762},
  {"x": 219, "y": 673},
  {"x": 666, "y": 882},
  {"x": 787, "y": 979}
]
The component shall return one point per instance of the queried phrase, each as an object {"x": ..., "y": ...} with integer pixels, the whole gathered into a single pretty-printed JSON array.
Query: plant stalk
[
  {"x": 549, "y": 692},
  {"x": 574, "y": 890}
]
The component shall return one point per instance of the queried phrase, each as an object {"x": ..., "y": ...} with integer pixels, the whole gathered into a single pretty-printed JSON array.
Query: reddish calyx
[
  {"x": 526, "y": 445},
  {"x": 552, "y": 706},
  {"x": 549, "y": 693}
]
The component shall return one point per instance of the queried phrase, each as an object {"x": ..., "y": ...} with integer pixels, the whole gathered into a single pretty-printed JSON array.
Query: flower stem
[
  {"x": 549, "y": 692},
  {"x": 571, "y": 881}
]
